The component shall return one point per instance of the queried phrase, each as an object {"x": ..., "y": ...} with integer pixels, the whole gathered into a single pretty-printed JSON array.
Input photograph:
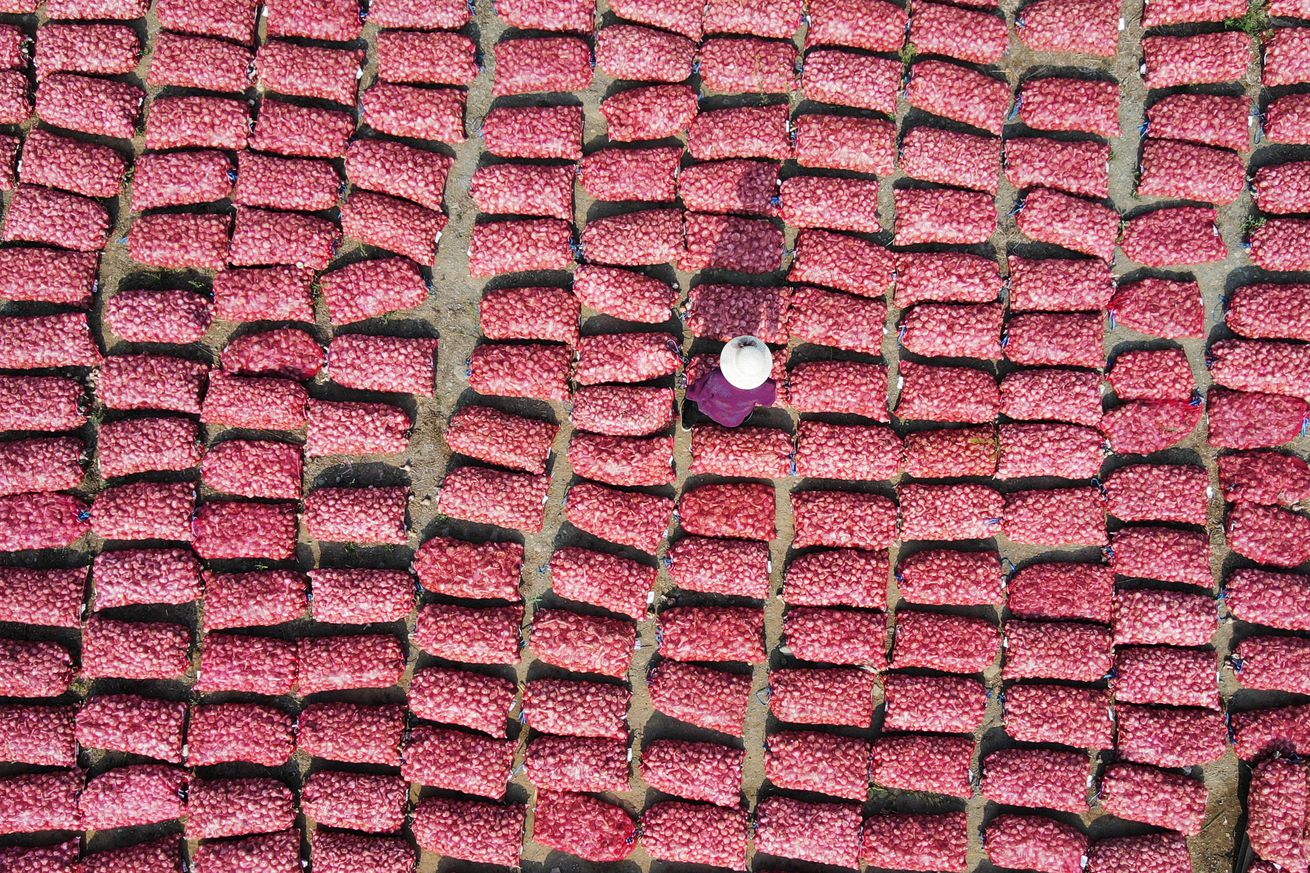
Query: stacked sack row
[
  {"x": 581, "y": 631},
  {"x": 921, "y": 740},
  {"x": 1259, "y": 356},
  {"x": 58, "y": 219},
  {"x": 263, "y": 428},
  {"x": 1165, "y": 690},
  {"x": 707, "y": 684},
  {"x": 1058, "y": 604}
]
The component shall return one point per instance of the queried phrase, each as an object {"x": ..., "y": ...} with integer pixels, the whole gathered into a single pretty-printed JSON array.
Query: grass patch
[{"x": 1254, "y": 22}]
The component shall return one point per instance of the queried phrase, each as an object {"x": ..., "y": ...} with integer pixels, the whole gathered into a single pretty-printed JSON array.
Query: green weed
[{"x": 1254, "y": 22}]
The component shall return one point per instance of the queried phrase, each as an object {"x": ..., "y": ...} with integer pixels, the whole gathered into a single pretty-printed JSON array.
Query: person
[{"x": 730, "y": 392}]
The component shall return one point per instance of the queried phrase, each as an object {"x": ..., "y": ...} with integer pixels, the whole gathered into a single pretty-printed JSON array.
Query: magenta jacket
[{"x": 725, "y": 403}]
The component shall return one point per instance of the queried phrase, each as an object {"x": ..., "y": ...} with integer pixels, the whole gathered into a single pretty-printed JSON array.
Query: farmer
[{"x": 731, "y": 391}]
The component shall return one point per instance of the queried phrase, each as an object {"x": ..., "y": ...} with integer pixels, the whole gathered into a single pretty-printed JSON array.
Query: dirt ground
[{"x": 452, "y": 314}]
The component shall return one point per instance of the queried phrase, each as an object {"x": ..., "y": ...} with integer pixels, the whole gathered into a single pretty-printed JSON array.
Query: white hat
[{"x": 746, "y": 362}]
